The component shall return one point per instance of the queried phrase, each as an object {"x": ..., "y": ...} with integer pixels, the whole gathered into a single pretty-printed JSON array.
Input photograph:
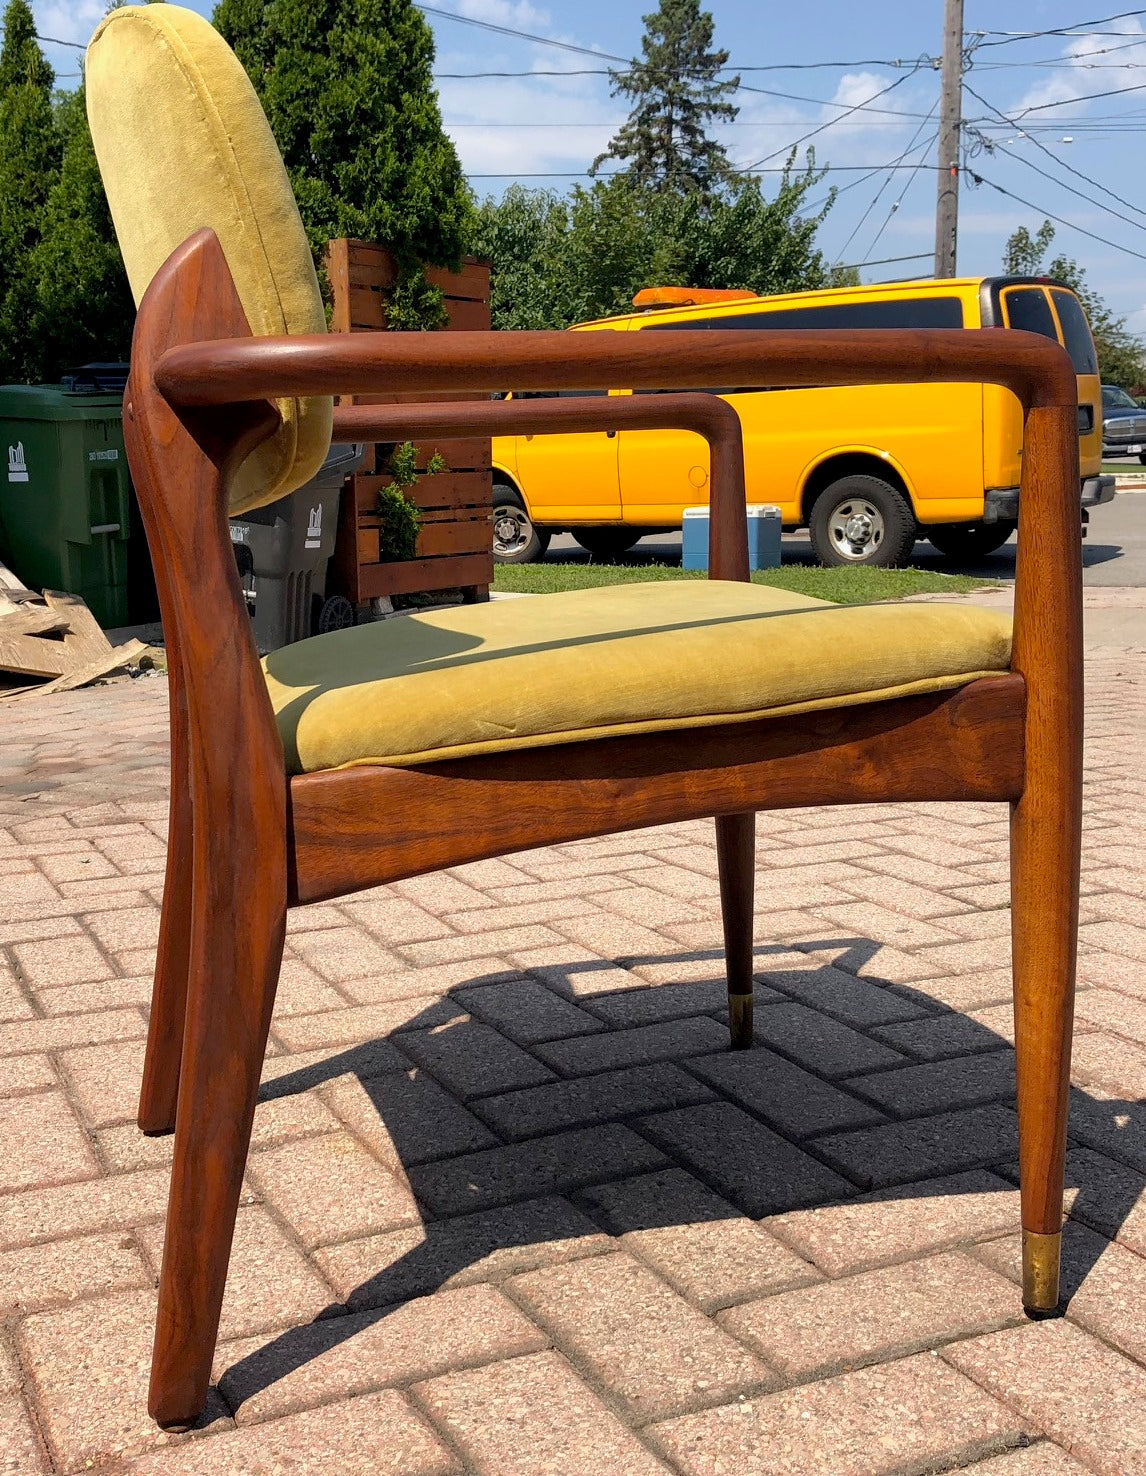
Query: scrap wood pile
[{"x": 54, "y": 641}]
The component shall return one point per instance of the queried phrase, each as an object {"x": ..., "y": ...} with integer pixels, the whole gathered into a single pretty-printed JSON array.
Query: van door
[
  {"x": 569, "y": 479},
  {"x": 663, "y": 471},
  {"x": 1029, "y": 307},
  {"x": 1079, "y": 344}
]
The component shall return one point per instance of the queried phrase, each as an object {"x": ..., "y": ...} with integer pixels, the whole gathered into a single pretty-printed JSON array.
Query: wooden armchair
[{"x": 384, "y": 751}]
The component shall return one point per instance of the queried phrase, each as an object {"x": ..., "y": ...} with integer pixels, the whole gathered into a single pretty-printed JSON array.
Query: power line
[
  {"x": 55, "y": 41},
  {"x": 854, "y": 266},
  {"x": 830, "y": 124},
  {"x": 1058, "y": 219},
  {"x": 1067, "y": 102},
  {"x": 1078, "y": 28},
  {"x": 1078, "y": 61},
  {"x": 1070, "y": 189},
  {"x": 1063, "y": 165},
  {"x": 618, "y": 122},
  {"x": 890, "y": 175},
  {"x": 902, "y": 196},
  {"x": 868, "y": 173},
  {"x": 466, "y": 20}
]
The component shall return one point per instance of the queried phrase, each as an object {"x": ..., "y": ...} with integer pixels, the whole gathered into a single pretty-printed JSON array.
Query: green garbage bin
[{"x": 65, "y": 494}]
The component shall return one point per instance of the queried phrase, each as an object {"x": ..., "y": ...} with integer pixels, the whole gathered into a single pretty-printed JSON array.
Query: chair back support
[{"x": 182, "y": 144}]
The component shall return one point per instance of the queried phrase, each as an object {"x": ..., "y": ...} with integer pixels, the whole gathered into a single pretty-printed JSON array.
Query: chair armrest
[
  {"x": 704, "y": 415},
  {"x": 1048, "y": 588},
  {"x": 227, "y": 371},
  {"x": 1048, "y": 583}
]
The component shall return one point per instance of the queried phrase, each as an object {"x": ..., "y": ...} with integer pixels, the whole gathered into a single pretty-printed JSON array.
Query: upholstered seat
[{"x": 596, "y": 663}]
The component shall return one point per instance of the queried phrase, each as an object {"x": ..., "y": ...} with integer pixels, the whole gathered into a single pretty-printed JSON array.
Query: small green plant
[{"x": 401, "y": 520}]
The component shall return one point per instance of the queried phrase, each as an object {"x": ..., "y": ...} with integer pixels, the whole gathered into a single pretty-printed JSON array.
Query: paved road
[{"x": 1114, "y": 552}]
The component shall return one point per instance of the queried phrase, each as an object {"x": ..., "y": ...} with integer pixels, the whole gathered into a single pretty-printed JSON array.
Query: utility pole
[{"x": 950, "y": 127}]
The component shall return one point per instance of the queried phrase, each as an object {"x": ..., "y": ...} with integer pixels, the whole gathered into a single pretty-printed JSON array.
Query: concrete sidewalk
[{"x": 512, "y": 1207}]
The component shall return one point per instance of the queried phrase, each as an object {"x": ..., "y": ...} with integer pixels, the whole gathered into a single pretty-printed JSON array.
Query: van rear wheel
[
  {"x": 968, "y": 541},
  {"x": 862, "y": 520}
]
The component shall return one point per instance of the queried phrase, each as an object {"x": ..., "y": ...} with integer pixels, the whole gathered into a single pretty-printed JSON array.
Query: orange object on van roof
[{"x": 688, "y": 296}]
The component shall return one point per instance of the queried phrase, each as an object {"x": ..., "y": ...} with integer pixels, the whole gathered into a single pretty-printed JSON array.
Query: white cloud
[
  {"x": 74, "y": 21},
  {"x": 505, "y": 13}
]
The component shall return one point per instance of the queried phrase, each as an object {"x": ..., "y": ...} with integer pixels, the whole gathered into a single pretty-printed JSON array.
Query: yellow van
[{"x": 867, "y": 469}]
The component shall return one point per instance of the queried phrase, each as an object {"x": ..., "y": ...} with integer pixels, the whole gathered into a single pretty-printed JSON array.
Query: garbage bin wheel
[{"x": 335, "y": 613}]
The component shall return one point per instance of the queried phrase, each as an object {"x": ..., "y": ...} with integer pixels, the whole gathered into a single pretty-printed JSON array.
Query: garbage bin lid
[
  {"x": 343, "y": 455},
  {"x": 56, "y": 403},
  {"x": 96, "y": 379}
]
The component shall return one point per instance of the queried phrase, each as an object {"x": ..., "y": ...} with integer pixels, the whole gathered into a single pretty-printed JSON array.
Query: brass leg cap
[
  {"x": 740, "y": 1021},
  {"x": 1040, "y": 1271}
]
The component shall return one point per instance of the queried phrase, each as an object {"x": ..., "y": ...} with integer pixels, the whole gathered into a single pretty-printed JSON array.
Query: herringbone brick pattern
[{"x": 513, "y": 1208}]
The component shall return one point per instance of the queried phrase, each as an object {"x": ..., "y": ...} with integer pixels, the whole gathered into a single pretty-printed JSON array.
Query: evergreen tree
[
  {"x": 348, "y": 89},
  {"x": 677, "y": 91},
  {"x": 1121, "y": 355},
  {"x": 29, "y": 163},
  {"x": 84, "y": 307}
]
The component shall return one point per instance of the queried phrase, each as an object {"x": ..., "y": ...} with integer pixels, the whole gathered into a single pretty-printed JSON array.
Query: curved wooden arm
[
  {"x": 192, "y": 365},
  {"x": 704, "y": 415},
  {"x": 230, "y": 370}
]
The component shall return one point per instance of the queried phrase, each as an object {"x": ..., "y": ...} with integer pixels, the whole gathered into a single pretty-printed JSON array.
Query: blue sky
[{"x": 545, "y": 129}]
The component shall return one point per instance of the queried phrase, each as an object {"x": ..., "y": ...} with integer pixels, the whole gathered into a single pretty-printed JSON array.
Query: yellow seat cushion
[
  {"x": 597, "y": 663},
  {"x": 182, "y": 144}
]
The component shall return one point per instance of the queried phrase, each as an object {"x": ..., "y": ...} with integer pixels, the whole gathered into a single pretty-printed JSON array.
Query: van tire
[
  {"x": 862, "y": 521},
  {"x": 606, "y": 544},
  {"x": 970, "y": 541},
  {"x": 528, "y": 542}
]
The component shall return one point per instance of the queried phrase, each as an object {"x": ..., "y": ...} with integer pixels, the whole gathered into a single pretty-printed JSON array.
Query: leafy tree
[
  {"x": 348, "y": 90},
  {"x": 29, "y": 161},
  {"x": 677, "y": 92},
  {"x": 84, "y": 306},
  {"x": 558, "y": 261},
  {"x": 1121, "y": 355},
  {"x": 524, "y": 235}
]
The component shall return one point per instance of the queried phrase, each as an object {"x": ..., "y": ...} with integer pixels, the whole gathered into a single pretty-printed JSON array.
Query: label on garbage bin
[
  {"x": 17, "y": 466},
  {"x": 110, "y": 455},
  {"x": 314, "y": 528}
]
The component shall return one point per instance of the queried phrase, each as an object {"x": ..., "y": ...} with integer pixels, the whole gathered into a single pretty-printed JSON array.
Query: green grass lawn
[
  {"x": 1123, "y": 468},
  {"x": 841, "y": 586}
]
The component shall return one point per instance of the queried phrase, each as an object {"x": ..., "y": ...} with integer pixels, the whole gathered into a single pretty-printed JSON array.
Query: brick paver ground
[{"x": 512, "y": 1209}]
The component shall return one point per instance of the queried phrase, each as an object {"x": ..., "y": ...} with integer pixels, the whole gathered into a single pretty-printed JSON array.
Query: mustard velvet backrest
[{"x": 182, "y": 144}]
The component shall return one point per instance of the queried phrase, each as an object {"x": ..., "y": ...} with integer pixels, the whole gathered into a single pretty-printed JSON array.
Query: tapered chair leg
[
  {"x": 736, "y": 859},
  {"x": 1044, "y": 898},
  {"x": 160, "y": 1087},
  {"x": 238, "y": 925},
  {"x": 1046, "y": 831}
]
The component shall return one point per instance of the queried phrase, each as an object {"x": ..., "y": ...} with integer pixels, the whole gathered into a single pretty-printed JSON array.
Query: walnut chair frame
[{"x": 247, "y": 841}]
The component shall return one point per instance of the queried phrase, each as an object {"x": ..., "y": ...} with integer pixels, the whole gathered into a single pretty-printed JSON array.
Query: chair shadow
[{"x": 456, "y": 1241}]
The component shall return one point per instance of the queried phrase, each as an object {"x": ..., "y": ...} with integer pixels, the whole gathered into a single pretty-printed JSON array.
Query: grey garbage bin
[{"x": 282, "y": 551}]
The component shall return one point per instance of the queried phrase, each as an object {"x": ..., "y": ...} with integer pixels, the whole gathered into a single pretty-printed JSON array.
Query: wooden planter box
[{"x": 455, "y": 545}]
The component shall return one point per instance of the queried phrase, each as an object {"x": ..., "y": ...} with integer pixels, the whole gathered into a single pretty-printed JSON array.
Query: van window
[
  {"x": 1028, "y": 309},
  {"x": 901, "y": 312},
  {"x": 1075, "y": 331},
  {"x": 556, "y": 394}
]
